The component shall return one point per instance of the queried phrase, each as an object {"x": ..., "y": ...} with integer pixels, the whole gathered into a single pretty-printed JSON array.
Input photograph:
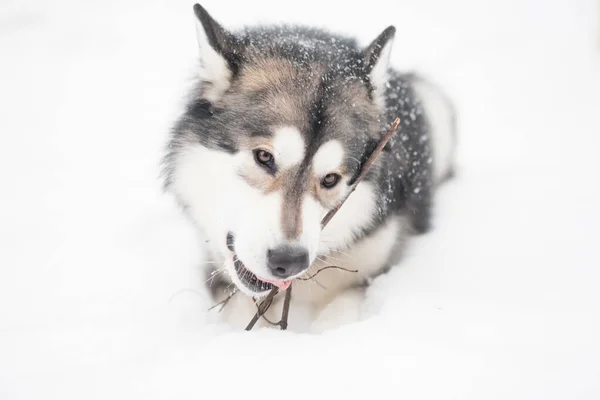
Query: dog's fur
[{"x": 319, "y": 103}]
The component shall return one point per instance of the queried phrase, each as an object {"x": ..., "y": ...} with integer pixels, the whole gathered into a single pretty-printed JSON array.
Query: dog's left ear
[
  {"x": 376, "y": 59},
  {"x": 220, "y": 54}
]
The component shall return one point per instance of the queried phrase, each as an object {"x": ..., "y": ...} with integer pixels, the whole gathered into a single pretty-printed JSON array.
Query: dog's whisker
[
  {"x": 210, "y": 262},
  {"x": 355, "y": 159},
  {"x": 310, "y": 277},
  {"x": 342, "y": 252},
  {"x": 329, "y": 267},
  {"x": 338, "y": 250},
  {"x": 224, "y": 302},
  {"x": 212, "y": 279},
  {"x": 214, "y": 274},
  {"x": 316, "y": 282},
  {"x": 217, "y": 271},
  {"x": 334, "y": 258},
  {"x": 313, "y": 281}
]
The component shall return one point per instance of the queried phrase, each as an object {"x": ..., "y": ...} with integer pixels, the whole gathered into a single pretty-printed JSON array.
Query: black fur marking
[{"x": 200, "y": 109}]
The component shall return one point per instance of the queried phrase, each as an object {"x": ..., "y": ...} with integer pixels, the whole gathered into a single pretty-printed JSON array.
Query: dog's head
[{"x": 274, "y": 134}]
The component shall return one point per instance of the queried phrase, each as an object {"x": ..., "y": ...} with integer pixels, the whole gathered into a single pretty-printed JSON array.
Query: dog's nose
[{"x": 285, "y": 261}]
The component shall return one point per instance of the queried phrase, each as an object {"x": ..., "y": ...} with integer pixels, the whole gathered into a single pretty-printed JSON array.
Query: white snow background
[{"x": 500, "y": 301}]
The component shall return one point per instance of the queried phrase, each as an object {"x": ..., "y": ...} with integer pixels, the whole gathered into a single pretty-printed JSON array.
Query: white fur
[
  {"x": 208, "y": 195},
  {"x": 223, "y": 202},
  {"x": 355, "y": 214},
  {"x": 213, "y": 67},
  {"x": 440, "y": 119},
  {"x": 289, "y": 146},
  {"x": 370, "y": 254},
  {"x": 258, "y": 230},
  {"x": 312, "y": 214},
  {"x": 328, "y": 158},
  {"x": 379, "y": 73}
]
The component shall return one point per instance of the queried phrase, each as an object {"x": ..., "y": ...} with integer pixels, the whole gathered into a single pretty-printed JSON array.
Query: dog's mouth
[{"x": 249, "y": 278}]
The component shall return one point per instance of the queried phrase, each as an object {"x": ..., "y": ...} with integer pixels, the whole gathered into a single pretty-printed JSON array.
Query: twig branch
[
  {"x": 223, "y": 303},
  {"x": 268, "y": 320},
  {"x": 363, "y": 171},
  {"x": 263, "y": 307},
  {"x": 323, "y": 269},
  {"x": 284, "y": 315},
  {"x": 286, "y": 309}
]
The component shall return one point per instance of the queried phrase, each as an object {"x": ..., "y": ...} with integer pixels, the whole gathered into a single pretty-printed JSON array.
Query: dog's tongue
[{"x": 282, "y": 285}]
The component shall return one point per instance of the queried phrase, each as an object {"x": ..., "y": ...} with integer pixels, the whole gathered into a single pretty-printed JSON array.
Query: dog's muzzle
[{"x": 283, "y": 262}]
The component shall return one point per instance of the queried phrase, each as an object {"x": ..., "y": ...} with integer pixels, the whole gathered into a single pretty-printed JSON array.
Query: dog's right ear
[{"x": 220, "y": 55}]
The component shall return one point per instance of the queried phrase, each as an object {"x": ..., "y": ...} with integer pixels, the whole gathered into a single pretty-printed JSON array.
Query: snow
[{"x": 100, "y": 292}]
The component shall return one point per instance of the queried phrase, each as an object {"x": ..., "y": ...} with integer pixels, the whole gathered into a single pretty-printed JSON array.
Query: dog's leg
[{"x": 343, "y": 309}]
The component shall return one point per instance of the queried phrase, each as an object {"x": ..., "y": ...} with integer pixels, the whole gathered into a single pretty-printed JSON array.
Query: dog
[{"x": 274, "y": 133}]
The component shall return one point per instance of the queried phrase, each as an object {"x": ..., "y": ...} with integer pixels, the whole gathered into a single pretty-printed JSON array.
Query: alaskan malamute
[{"x": 275, "y": 131}]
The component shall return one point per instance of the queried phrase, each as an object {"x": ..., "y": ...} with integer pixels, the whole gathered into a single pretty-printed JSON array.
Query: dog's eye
[
  {"x": 330, "y": 180},
  {"x": 264, "y": 158}
]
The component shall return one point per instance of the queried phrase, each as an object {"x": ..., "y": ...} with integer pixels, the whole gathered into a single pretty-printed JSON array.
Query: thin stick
[
  {"x": 284, "y": 315},
  {"x": 263, "y": 307},
  {"x": 363, "y": 171},
  {"x": 269, "y": 321},
  {"x": 286, "y": 309},
  {"x": 223, "y": 303},
  {"x": 323, "y": 269}
]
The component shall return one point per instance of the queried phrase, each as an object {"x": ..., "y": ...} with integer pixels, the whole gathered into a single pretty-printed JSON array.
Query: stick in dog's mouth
[{"x": 260, "y": 286}]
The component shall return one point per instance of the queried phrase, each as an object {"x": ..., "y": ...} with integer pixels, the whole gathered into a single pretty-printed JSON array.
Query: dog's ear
[
  {"x": 376, "y": 59},
  {"x": 220, "y": 55}
]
